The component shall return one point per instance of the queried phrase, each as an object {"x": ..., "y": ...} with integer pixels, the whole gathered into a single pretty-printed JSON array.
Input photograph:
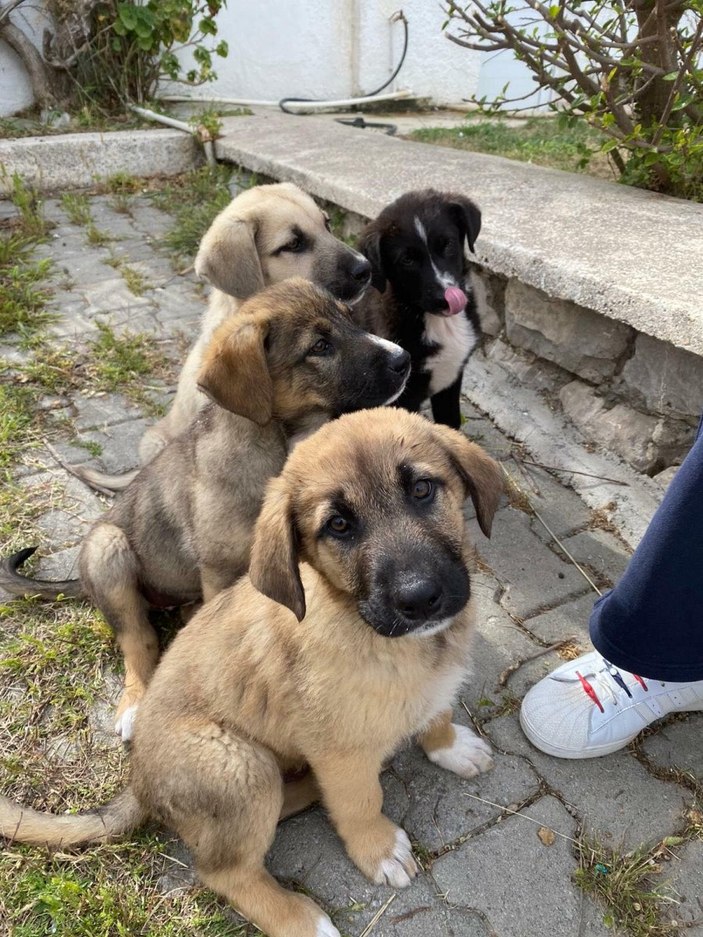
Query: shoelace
[{"x": 609, "y": 681}]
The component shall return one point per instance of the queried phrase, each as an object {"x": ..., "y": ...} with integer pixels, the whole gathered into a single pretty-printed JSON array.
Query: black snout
[
  {"x": 399, "y": 363},
  {"x": 361, "y": 270},
  {"x": 418, "y": 599}
]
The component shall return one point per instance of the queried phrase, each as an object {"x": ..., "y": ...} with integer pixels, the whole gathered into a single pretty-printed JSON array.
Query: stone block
[
  {"x": 489, "y": 871},
  {"x": 602, "y": 555},
  {"x": 560, "y": 508},
  {"x": 678, "y": 744},
  {"x": 618, "y": 801},
  {"x": 531, "y": 575},
  {"x": 567, "y": 620},
  {"x": 648, "y": 443},
  {"x": 668, "y": 379},
  {"x": 489, "y": 291},
  {"x": 571, "y": 336}
]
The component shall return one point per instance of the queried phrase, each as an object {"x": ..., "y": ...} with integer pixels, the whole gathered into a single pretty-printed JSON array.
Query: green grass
[
  {"x": 28, "y": 202},
  {"x": 77, "y": 208},
  {"x": 16, "y": 409},
  {"x": 194, "y": 199},
  {"x": 540, "y": 140},
  {"x": 627, "y": 885},
  {"x": 22, "y": 295}
]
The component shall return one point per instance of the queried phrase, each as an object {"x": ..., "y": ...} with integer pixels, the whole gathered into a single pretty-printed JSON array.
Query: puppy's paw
[
  {"x": 325, "y": 928},
  {"x": 124, "y": 724},
  {"x": 399, "y": 868},
  {"x": 467, "y": 757}
]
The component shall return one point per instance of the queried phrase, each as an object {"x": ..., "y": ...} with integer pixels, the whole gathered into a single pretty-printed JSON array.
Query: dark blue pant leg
[{"x": 651, "y": 623}]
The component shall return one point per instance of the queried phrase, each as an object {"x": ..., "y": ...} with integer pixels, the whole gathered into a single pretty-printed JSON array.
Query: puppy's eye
[
  {"x": 422, "y": 490},
  {"x": 294, "y": 246},
  {"x": 321, "y": 347},
  {"x": 339, "y": 526},
  {"x": 407, "y": 260}
]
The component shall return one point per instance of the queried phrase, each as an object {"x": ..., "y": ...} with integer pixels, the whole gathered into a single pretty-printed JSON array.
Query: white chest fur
[{"x": 456, "y": 338}]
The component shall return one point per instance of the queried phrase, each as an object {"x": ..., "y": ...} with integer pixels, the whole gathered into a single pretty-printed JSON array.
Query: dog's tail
[
  {"x": 17, "y": 584},
  {"x": 23, "y": 825},
  {"x": 107, "y": 484}
]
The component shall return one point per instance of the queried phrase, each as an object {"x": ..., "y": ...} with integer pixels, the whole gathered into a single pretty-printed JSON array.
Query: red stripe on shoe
[{"x": 590, "y": 692}]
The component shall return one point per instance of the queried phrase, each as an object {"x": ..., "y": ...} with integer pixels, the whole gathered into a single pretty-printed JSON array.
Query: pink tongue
[{"x": 455, "y": 299}]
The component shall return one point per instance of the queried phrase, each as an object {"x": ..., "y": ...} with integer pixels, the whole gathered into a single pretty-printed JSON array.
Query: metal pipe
[{"x": 196, "y": 132}]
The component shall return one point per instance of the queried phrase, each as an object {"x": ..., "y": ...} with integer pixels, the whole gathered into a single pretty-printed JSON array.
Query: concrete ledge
[
  {"x": 631, "y": 255},
  {"x": 77, "y": 160}
]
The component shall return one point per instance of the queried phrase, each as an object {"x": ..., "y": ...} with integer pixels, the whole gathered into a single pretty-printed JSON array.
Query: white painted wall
[
  {"x": 336, "y": 49},
  {"x": 308, "y": 48},
  {"x": 15, "y": 88}
]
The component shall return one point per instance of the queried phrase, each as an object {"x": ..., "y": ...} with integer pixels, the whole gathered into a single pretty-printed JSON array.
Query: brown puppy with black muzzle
[
  {"x": 362, "y": 537},
  {"x": 289, "y": 361},
  {"x": 266, "y": 235}
]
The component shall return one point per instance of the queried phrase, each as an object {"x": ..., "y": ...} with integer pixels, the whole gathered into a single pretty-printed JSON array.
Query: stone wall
[{"x": 637, "y": 396}]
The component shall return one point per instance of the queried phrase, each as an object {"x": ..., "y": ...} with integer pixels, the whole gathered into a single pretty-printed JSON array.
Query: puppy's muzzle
[{"x": 422, "y": 597}]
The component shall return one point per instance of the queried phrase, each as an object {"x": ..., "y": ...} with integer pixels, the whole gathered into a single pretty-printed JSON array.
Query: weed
[
  {"x": 194, "y": 199},
  {"x": 27, "y": 201},
  {"x": 538, "y": 140},
  {"x": 121, "y": 183},
  {"x": 15, "y": 422},
  {"x": 119, "y": 359},
  {"x": 77, "y": 208},
  {"x": 22, "y": 299},
  {"x": 624, "y": 882},
  {"x": 94, "y": 448},
  {"x": 96, "y": 237},
  {"x": 136, "y": 282},
  {"x": 121, "y": 202}
]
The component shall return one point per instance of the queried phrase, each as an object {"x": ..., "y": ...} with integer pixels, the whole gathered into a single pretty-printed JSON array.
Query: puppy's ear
[
  {"x": 273, "y": 569},
  {"x": 370, "y": 246},
  {"x": 235, "y": 371},
  {"x": 228, "y": 257},
  {"x": 482, "y": 476},
  {"x": 468, "y": 216}
]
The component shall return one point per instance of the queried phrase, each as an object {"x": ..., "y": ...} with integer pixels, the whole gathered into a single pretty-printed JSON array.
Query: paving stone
[
  {"x": 684, "y": 876},
  {"x": 497, "y": 871},
  {"x": 532, "y": 576},
  {"x": 619, "y": 802},
  {"x": 481, "y": 430},
  {"x": 601, "y": 553},
  {"x": 120, "y": 444},
  {"x": 560, "y": 508},
  {"x": 86, "y": 267},
  {"x": 111, "y": 294},
  {"x": 678, "y": 745},
  {"x": 63, "y": 564},
  {"x": 151, "y": 221},
  {"x": 498, "y": 642},
  {"x": 442, "y": 807},
  {"x": 69, "y": 522},
  {"x": 308, "y": 852},
  {"x": 103, "y": 410},
  {"x": 571, "y": 618}
]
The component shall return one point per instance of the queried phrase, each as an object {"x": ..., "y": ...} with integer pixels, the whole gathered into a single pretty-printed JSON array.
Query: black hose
[{"x": 401, "y": 16}]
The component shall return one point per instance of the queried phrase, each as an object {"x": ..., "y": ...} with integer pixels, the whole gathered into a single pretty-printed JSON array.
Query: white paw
[
  {"x": 467, "y": 757},
  {"x": 325, "y": 928},
  {"x": 124, "y": 727},
  {"x": 400, "y": 869}
]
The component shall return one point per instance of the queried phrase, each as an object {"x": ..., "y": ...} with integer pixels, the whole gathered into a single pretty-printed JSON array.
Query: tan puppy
[
  {"x": 374, "y": 654},
  {"x": 267, "y": 234},
  {"x": 183, "y": 530}
]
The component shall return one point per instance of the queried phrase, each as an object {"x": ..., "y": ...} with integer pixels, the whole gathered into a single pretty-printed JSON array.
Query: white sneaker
[{"x": 587, "y": 707}]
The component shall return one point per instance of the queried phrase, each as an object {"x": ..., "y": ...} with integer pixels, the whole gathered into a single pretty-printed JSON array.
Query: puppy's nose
[
  {"x": 418, "y": 599},
  {"x": 360, "y": 270},
  {"x": 400, "y": 362}
]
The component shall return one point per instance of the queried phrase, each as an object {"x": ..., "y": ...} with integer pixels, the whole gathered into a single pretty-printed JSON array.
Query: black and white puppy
[{"x": 421, "y": 297}]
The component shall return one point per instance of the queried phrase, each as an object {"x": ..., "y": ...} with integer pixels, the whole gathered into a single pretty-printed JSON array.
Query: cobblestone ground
[{"x": 498, "y": 853}]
